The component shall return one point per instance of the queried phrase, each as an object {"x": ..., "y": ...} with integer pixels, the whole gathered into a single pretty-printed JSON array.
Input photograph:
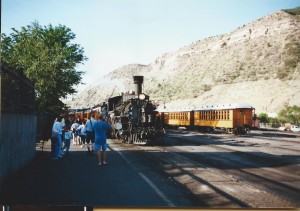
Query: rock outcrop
[{"x": 258, "y": 63}]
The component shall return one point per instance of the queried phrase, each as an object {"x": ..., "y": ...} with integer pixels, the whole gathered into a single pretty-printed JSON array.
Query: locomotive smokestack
[{"x": 138, "y": 81}]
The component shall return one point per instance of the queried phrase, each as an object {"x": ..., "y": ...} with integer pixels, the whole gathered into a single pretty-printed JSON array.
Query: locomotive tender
[{"x": 236, "y": 118}]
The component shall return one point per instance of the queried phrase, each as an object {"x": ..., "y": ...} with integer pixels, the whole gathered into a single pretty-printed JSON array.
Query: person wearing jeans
[
  {"x": 67, "y": 139},
  {"x": 57, "y": 132}
]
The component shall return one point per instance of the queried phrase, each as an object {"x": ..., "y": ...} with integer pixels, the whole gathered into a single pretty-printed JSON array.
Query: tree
[
  {"x": 264, "y": 118},
  {"x": 47, "y": 57},
  {"x": 290, "y": 114}
]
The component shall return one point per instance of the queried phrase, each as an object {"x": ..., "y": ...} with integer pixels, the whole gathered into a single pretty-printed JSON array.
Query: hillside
[{"x": 257, "y": 63}]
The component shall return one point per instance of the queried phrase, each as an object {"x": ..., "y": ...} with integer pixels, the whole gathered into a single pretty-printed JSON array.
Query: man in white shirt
[{"x": 56, "y": 140}]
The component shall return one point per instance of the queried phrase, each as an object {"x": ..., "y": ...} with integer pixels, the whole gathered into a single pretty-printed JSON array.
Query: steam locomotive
[{"x": 133, "y": 116}]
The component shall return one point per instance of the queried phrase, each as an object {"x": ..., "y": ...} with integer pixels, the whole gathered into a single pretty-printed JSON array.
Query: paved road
[{"x": 127, "y": 181}]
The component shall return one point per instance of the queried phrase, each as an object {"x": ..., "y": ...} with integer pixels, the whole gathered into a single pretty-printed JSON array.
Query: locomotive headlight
[
  {"x": 142, "y": 96},
  {"x": 118, "y": 126}
]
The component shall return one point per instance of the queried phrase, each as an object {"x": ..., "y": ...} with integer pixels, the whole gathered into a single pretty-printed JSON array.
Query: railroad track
[
  {"x": 235, "y": 140},
  {"x": 217, "y": 188},
  {"x": 280, "y": 137},
  {"x": 208, "y": 182},
  {"x": 271, "y": 176},
  {"x": 212, "y": 186},
  {"x": 274, "y": 136}
]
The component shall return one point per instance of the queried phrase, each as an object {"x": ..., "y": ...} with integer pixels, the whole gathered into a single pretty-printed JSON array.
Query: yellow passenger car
[
  {"x": 236, "y": 118},
  {"x": 176, "y": 117},
  {"x": 232, "y": 117}
]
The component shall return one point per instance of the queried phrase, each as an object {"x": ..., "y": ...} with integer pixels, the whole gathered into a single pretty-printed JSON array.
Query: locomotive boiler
[{"x": 133, "y": 117}]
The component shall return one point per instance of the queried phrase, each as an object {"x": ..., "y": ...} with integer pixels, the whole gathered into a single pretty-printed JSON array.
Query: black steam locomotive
[{"x": 133, "y": 116}]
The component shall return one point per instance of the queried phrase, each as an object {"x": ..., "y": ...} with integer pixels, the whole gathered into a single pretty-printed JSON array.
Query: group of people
[{"x": 92, "y": 132}]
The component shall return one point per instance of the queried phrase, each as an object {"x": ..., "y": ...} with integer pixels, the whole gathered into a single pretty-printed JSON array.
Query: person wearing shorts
[
  {"x": 90, "y": 135},
  {"x": 100, "y": 144}
]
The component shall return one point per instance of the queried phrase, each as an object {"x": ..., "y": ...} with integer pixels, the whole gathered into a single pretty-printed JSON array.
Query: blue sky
[{"x": 114, "y": 33}]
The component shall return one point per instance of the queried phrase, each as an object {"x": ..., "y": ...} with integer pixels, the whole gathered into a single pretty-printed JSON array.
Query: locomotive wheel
[
  {"x": 126, "y": 137},
  {"x": 118, "y": 135},
  {"x": 133, "y": 135},
  {"x": 131, "y": 140},
  {"x": 112, "y": 133},
  {"x": 134, "y": 138}
]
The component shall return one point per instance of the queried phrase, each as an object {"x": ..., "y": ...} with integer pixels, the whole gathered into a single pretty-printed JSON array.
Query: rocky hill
[{"x": 258, "y": 63}]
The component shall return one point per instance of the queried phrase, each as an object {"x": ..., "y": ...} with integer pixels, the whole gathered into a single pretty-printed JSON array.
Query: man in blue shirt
[
  {"x": 90, "y": 133},
  {"x": 100, "y": 144}
]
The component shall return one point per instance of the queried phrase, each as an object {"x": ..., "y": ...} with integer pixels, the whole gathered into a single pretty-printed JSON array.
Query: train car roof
[
  {"x": 174, "y": 109},
  {"x": 207, "y": 108},
  {"x": 225, "y": 106}
]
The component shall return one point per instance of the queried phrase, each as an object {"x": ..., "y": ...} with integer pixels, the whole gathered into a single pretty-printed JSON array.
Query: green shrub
[
  {"x": 264, "y": 118},
  {"x": 290, "y": 114}
]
